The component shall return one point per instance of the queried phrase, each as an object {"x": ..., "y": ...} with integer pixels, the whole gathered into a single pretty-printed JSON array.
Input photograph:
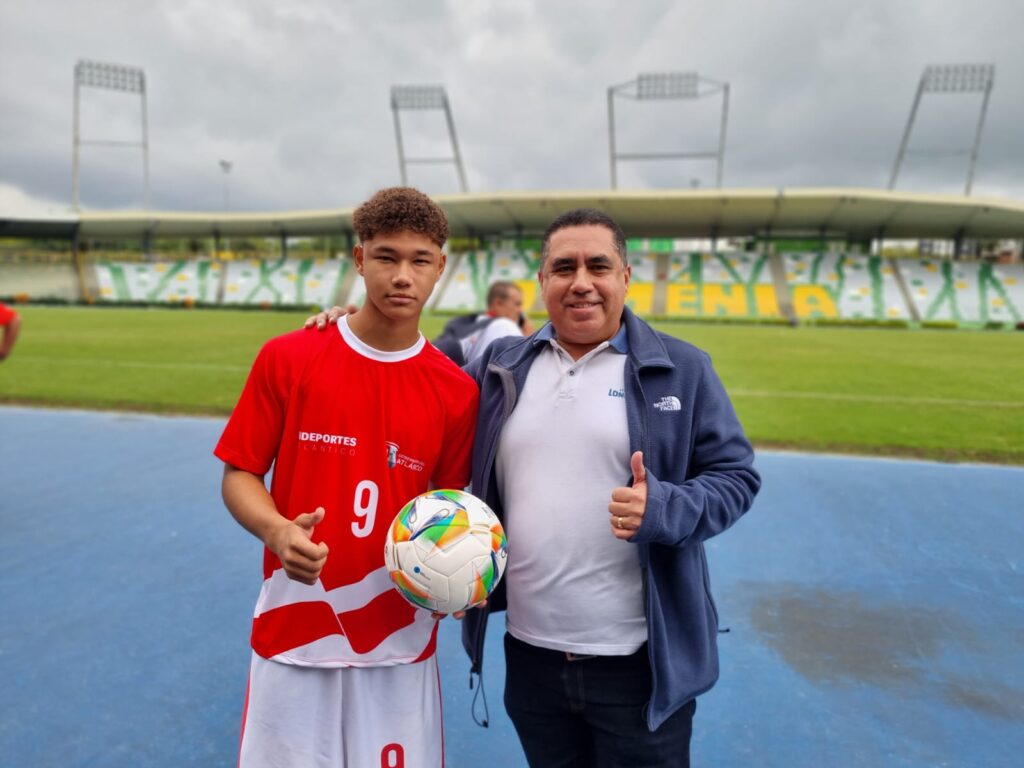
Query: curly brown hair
[{"x": 400, "y": 209}]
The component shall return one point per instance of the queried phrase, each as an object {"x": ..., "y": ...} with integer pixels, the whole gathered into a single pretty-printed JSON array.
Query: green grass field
[{"x": 947, "y": 395}]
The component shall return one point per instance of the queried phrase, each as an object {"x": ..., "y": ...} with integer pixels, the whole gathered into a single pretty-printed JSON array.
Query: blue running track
[{"x": 874, "y": 610}]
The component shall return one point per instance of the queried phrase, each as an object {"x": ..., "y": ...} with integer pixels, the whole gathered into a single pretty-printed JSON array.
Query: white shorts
[{"x": 351, "y": 717}]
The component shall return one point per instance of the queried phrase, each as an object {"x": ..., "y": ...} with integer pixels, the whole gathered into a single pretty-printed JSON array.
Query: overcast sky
[{"x": 295, "y": 94}]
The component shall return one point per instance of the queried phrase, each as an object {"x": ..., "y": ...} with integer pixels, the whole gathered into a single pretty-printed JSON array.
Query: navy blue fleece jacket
[{"x": 700, "y": 480}]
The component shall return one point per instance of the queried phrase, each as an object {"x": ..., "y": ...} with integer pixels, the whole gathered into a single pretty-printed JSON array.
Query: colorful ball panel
[{"x": 445, "y": 551}]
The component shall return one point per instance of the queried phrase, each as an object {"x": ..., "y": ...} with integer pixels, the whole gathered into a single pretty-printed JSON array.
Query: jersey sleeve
[
  {"x": 453, "y": 466},
  {"x": 253, "y": 433},
  {"x": 6, "y": 314}
]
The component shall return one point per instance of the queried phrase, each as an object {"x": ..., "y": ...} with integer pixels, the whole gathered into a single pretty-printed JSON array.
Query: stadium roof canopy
[{"x": 830, "y": 213}]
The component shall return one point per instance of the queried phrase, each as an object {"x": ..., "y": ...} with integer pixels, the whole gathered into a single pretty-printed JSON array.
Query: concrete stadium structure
[{"x": 670, "y": 278}]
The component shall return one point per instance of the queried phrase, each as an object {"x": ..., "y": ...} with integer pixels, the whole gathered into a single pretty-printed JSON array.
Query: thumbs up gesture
[
  {"x": 292, "y": 542},
  {"x": 628, "y": 504}
]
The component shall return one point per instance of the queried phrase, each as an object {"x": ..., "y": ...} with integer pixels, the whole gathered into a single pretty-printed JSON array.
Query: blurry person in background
[
  {"x": 465, "y": 338},
  {"x": 10, "y": 321}
]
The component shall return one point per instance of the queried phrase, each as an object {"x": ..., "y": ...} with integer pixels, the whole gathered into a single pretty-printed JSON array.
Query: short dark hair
[
  {"x": 583, "y": 217},
  {"x": 500, "y": 289},
  {"x": 400, "y": 209}
]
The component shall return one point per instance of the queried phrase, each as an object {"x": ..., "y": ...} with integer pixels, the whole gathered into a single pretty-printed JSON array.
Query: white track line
[
  {"x": 885, "y": 399},
  {"x": 736, "y": 391},
  {"x": 92, "y": 361}
]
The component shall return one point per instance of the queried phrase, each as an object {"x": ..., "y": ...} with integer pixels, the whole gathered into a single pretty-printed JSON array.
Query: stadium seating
[
  {"x": 843, "y": 286},
  {"x": 962, "y": 291},
  {"x": 644, "y": 265},
  {"x": 160, "y": 281},
  {"x": 41, "y": 280},
  {"x": 356, "y": 293},
  {"x": 465, "y": 289},
  {"x": 665, "y": 281},
  {"x": 720, "y": 285},
  {"x": 284, "y": 282},
  {"x": 280, "y": 282}
]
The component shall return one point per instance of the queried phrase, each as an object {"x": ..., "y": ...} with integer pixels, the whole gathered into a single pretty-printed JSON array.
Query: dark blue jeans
[{"x": 589, "y": 713}]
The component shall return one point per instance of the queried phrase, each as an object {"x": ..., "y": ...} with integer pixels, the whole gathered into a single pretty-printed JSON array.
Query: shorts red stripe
[
  {"x": 245, "y": 716},
  {"x": 440, "y": 699}
]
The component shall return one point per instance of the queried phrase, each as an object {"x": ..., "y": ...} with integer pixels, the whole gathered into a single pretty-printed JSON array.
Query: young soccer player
[{"x": 355, "y": 423}]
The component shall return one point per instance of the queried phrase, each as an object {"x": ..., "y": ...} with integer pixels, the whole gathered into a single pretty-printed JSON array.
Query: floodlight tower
[
  {"x": 114, "y": 77},
  {"x": 423, "y": 97},
  {"x": 955, "y": 79},
  {"x": 225, "y": 166},
  {"x": 661, "y": 86}
]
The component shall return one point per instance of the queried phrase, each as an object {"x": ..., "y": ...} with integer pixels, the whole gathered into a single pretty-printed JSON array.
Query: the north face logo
[{"x": 669, "y": 403}]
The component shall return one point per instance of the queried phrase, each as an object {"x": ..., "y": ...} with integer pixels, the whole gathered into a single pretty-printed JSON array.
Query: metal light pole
[
  {"x": 662, "y": 86},
  {"x": 114, "y": 77},
  {"x": 225, "y": 165},
  {"x": 952, "y": 79},
  {"x": 423, "y": 97}
]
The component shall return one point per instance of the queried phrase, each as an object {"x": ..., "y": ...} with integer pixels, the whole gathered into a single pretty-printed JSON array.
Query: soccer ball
[{"x": 445, "y": 551}]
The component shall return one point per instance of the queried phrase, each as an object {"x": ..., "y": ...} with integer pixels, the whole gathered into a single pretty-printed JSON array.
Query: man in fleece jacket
[{"x": 611, "y": 452}]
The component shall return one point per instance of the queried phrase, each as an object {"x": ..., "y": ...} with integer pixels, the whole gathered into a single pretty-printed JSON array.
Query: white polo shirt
[{"x": 571, "y": 585}]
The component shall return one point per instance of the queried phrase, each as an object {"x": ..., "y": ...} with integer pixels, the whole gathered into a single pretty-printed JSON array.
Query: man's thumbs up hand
[{"x": 628, "y": 504}]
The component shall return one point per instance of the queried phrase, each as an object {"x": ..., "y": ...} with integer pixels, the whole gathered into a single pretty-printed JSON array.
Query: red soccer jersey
[
  {"x": 358, "y": 432},
  {"x": 6, "y": 314}
]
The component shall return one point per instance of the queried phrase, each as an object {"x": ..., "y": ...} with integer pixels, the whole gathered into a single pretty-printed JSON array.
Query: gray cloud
[{"x": 296, "y": 95}]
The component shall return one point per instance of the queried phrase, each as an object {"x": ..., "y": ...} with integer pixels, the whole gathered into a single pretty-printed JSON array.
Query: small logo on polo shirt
[
  {"x": 616, "y": 393},
  {"x": 668, "y": 403},
  {"x": 396, "y": 459}
]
